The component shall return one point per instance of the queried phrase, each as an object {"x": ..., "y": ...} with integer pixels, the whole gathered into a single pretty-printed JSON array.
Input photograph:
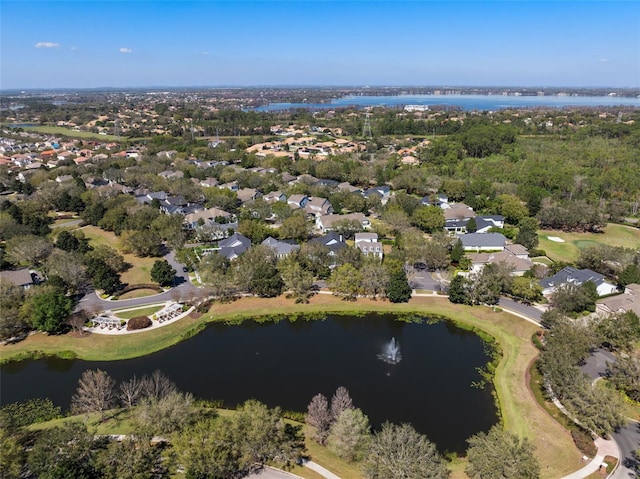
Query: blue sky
[{"x": 78, "y": 44}]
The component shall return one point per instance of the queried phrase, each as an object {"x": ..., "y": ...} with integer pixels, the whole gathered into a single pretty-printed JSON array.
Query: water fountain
[{"x": 391, "y": 352}]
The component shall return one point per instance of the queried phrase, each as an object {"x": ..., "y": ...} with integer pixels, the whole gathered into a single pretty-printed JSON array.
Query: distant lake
[
  {"x": 466, "y": 102},
  {"x": 285, "y": 364}
]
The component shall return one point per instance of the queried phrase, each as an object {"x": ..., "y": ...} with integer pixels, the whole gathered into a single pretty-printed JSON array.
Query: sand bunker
[{"x": 555, "y": 238}]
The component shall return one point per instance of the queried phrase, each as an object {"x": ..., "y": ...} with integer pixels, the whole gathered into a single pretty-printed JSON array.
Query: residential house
[
  {"x": 383, "y": 192},
  {"x": 318, "y": 206},
  {"x": 274, "y": 197},
  {"x": 349, "y": 188},
  {"x": 483, "y": 224},
  {"x": 369, "y": 245},
  {"x": 570, "y": 275},
  {"x": 248, "y": 194},
  {"x": 232, "y": 185},
  {"x": 21, "y": 277},
  {"x": 512, "y": 256},
  {"x": 209, "y": 183},
  {"x": 332, "y": 240},
  {"x": 234, "y": 246},
  {"x": 483, "y": 242},
  {"x": 458, "y": 211},
  {"x": 297, "y": 201},
  {"x": 171, "y": 175},
  {"x": 281, "y": 248},
  {"x": 622, "y": 303},
  {"x": 205, "y": 216},
  {"x": 326, "y": 223}
]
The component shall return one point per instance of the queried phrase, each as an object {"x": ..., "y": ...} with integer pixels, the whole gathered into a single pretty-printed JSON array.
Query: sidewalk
[{"x": 605, "y": 448}]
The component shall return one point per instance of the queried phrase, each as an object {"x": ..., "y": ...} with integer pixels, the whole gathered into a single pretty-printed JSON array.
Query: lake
[
  {"x": 286, "y": 363},
  {"x": 466, "y": 102}
]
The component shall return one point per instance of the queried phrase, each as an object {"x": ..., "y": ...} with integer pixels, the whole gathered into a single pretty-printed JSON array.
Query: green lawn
[
  {"x": 62, "y": 131},
  {"x": 613, "y": 235},
  {"x": 139, "y": 273},
  {"x": 138, "y": 312}
]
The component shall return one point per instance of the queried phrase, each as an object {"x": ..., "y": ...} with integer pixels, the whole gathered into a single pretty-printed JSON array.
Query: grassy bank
[{"x": 520, "y": 412}]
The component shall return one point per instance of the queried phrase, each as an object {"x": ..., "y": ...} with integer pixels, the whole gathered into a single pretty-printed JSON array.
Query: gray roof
[
  {"x": 572, "y": 275},
  {"x": 483, "y": 240},
  {"x": 281, "y": 247},
  {"x": 19, "y": 277}
]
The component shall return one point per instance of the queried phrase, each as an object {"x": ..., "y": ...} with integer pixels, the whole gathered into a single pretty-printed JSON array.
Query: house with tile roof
[{"x": 622, "y": 303}]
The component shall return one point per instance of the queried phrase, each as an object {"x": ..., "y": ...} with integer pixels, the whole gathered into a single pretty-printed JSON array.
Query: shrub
[
  {"x": 139, "y": 322},
  {"x": 584, "y": 442}
]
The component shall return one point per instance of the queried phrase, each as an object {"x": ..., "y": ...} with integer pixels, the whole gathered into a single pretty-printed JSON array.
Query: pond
[{"x": 286, "y": 363}]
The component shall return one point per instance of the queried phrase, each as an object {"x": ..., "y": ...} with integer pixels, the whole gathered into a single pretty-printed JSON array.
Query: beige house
[{"x": 622, "y": 303}]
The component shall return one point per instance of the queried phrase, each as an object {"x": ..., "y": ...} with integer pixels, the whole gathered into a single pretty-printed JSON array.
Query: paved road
[
  {"x": 268, "y": 473},
  {"x": 525, "y": 310},
  {"x": 183, "y": 287},
  {"x": 423, "y": 280},
  {"x": 627, "y": 437}
]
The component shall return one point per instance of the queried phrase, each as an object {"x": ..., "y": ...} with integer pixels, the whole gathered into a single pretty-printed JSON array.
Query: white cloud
[
  {"x": 47, "y": 45},
  {"x": 73, "y": 49},
  {"x": 126, "y": 50},
  {"x": 603, "y": 60},
  {"x": 204, "y": 53}
]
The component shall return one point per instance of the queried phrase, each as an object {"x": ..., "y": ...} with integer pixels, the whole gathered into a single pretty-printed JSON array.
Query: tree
[
  {"x": 164, "y": 415},
  {"x": 399, "y": 290},
  {"x": 295, "y": 227},
  {"x": 527, "y": 236},
  {"x": 107, "y": 255},
  {"x": 512, "y": 208},
  {"x": 349, "y": 435},
  {"x": 12, "y": 322},
  {"x": 28, "y": 250},
  {"x": 208, "y": 449},
  {"x": 340, "y": 402},
  {"x": 103, "y": 276},
  {"x": 471, "y": 226},
  {"x": 631, "y": 274},
  {"x": 157, "y": 385},
  {"x": 319, "y": 417},
  {"x": 375, "y": 279},
  {"x": 624, "y": 374},
  {"x": 526, "y": 289},
  {"x": 63, "y": 452},
  {"x": 266, "y": 281},
  {"x": 297, "y": 280},
  {"x": 262, "y": 435},
  {"x": 345, "y": 281},
  {"x": 130, "y": 392},
  {"x": 458, "y": 290},
  {"x": 142, "y": 243},
  {"x": 501, "y": 455},
  {"x": 133, "y": 457},
  {"x": 401, "y": 452},
  {"x": 162, "y": 272},
  {"x": 12, "y": 455},
  {"x": 572, "y": 298},
  {"x": 96, "y": 392},
  {"x": 68, "y": 266},
  {"x": 48, "y": 310},
  {"x": 428, "y": 218},
  {"x": 457, "y": 252}
]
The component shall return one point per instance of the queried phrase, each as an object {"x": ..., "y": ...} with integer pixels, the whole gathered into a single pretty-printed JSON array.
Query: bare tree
[
  {"x": 341, "y": 401},
  {"x": 95, "y": 393},
  {"x": 130, "y": 392},
  {"x": 157, "y": 385},
  {"x": 77, "y": 320},
  {"x": 318, "y": 416}
]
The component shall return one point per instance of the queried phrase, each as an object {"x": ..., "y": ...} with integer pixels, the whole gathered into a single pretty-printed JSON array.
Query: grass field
[
  {"x": 60, "y": 130},
  {"x": 520, "y": 412},
  {"x": 138, "y": 312},
  {"x": 613, "y": 235},
  {"x": 139, "y": 273}
]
